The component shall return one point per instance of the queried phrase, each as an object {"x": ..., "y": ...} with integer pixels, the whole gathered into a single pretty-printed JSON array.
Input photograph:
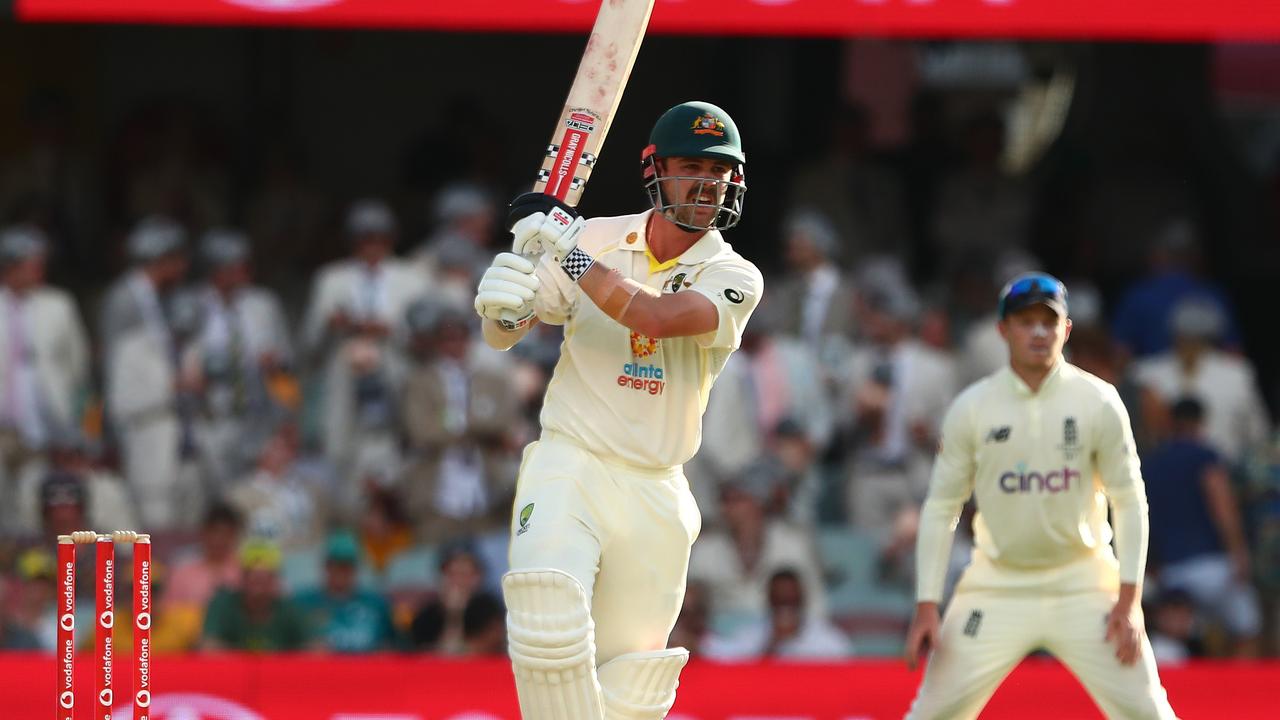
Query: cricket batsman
[
  {"x": 652, "y": 306},
  {"x": 1043, "y": 447}
]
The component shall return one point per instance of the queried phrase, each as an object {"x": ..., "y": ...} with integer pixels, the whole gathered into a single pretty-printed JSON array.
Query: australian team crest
[
  {"x": 708, "y": 124},
  {"x": 678, "y": 282},
  {"x": 642, "y": 346}
]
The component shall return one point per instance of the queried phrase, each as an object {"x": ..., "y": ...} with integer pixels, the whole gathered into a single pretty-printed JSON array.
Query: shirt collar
[
  {"x": 1021, "y": 387},
  {"x": 707, "y": 247}
]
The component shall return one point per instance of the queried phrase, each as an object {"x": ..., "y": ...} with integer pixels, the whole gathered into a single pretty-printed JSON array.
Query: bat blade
[{"x": 597, "y": 88}]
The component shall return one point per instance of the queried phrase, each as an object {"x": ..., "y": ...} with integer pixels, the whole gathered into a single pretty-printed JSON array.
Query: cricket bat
[{"x": 593, "y": 98}]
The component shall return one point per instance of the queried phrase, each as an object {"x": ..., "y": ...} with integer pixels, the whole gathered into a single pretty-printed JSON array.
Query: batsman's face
[
  {"x": 1035, "y": 336},
  {"x": 695, "y": 186}
]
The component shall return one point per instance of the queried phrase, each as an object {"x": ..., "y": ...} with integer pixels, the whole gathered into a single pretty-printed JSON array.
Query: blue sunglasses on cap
[{"x": 1033, "y": 289}]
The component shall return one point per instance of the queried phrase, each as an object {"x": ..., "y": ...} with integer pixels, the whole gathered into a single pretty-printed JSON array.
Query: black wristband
[{"x": 576, "y": 263}]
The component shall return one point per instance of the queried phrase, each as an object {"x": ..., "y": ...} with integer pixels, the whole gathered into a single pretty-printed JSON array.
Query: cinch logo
[
  {"x": 647, "y": 378},
  {"x": 1054, "y": 481}
]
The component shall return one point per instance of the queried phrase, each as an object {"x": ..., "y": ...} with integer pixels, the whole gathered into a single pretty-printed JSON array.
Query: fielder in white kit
[
  {"x": 652, "y": 306},
  {"x": 1042, "y": 446}
]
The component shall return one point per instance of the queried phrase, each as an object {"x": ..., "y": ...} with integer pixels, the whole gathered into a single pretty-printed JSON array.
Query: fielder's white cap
[
  {"x": 20, "y": 242},
  {"x": 154, "y": 237},
  {"x": 370, "y": 216}
]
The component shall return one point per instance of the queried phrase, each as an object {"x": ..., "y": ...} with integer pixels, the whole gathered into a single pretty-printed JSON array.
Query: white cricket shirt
[
  {"x": 1041, "y": 467},
  {"x": 625, "y": 396}
]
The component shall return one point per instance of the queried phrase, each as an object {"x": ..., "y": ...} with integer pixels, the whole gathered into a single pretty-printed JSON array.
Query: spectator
[
  {"x": 343, "y": 617},
  {"x": 863, "y": 197},
  {"x": 693, "y": 626},
  {"x": 31, "y": 622},
  {"x": 801, "y": 488},
  {"x": 44, "y": 356},
  {"x": 789, "y": 632},
  {"x": 109, "y": 502},
  {"x": 439, "y": 625},
  {"x": 157, "y": 249},
  {"x": 770, "y": 379},
  {"x": 814, "y": 296},
  {"x": 384, "y": 528},
  {"x": 897, "y": 390},
  {"x": 982, "y": 211},
  {"x": 255, "y": 617},
  {"x": 1091, "y": 349},
  {"x": 13, "y": 634},
  {"x": 458, "y": 421},
  {"x": 243, "y": 341},
  {"x": 276, "y": 499},
  {"x": 1173, "y": 632},
  {"x": 152, "y": 405},
  {"x": 1225, "y": 384},
  {"x": 458, "y": 251},
  {"x": 62, "y": 505},
  {"x": 1197, "y": 536},
  {"x": 737, "y": 562},
  {"x": 484, "y": 626},
  {"x": 1144, "y": 317},
  {"x": 196, "y": 578},
  {"x": 353, "y": 324}
]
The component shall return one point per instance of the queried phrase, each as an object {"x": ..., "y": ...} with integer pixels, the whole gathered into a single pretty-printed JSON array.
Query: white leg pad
[
  {"x": 642, "y": 686},
  {"x": 551, "y": 641}
]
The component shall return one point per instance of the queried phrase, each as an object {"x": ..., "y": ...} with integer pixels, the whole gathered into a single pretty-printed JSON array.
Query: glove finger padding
[
  {"x": 521, "y": 283},
  {"x": 526, "y": 238},
  {"x": 491, "y": 304},
  {"x": 498, "y": 285},
  {"x": 515, "y": 262}
]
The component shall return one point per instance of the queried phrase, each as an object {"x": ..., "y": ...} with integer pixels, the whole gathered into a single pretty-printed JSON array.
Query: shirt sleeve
[
  {"x": 1117, "y": 463},
  {"x": 735, "y": 289},
  {"x": 950, "y": 487},
  {"x": 553, "y": 302}
]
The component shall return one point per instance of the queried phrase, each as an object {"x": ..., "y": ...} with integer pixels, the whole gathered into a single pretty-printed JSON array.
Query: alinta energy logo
[{"x": 282, "y": 6}]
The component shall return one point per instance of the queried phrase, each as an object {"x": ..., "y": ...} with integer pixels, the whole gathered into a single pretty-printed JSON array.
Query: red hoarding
[
  {"x": 1144, "y": 19},
  {"x": 313, "y": 687}
]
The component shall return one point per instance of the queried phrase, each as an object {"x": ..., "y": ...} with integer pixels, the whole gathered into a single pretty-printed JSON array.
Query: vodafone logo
[
  {"x": 106, "y": 697},
  {"x": 67, "y": 699},
  {"x": 143, "y": 698},
  {"x": 67, "y": 622},
  {"x": 107, "y": 619},
  {"x": 190, "y": 706},
  {"x": 143, "y": 621},
  {"x": 282, "y": 6}
]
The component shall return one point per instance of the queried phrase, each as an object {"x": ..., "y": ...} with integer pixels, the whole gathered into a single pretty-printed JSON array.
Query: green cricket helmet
[{"x": 698, "y": 130}]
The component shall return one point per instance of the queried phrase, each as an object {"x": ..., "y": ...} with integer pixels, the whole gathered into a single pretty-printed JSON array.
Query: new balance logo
[
  {"x": 974, "y": 622},
  {"x": 999, "y": 434}
]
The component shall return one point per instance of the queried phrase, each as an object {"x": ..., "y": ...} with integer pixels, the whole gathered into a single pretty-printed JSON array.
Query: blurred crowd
[{"x": 325, "y": 454}]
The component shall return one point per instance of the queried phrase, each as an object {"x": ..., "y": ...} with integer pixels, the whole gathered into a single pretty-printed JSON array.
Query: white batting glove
[
  {"x": 506, "y": 291},
  {"x": 556, "y": 232}
]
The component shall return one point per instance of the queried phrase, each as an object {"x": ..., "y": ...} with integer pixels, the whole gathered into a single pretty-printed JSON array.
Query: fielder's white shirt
[
  {"x": 1041, "y": 467},
  {"x": 625, "y": 396}
]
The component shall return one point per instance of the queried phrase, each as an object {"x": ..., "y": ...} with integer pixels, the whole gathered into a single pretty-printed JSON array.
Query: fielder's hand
[
  {"x": 1123, "y": 631},
  {"x": 923, "y": 635},
  {"x": 540, "y": 223},
  {"x": 506, "y": 291}
]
